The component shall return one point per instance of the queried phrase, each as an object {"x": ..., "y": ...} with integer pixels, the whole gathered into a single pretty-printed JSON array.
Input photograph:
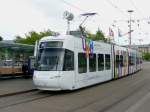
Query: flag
[
  {"x": 111, "y": 33},
  {"x": 119, "y": 33}
]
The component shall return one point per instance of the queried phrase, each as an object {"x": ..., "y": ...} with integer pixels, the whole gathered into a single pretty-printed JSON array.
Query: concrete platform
[{"x": 15, "y": 85}]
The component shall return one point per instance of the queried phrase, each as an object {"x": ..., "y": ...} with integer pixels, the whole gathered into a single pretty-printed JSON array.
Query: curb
[{"x": 17, "y": 93}]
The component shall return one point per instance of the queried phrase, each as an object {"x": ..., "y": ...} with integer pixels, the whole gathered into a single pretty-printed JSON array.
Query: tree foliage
[
  {"x": 98, "y": 36},
  {"x": 1, "y": 38},
  {"x": 31, "y": 37},
  {"x": 146, "y": 56}
]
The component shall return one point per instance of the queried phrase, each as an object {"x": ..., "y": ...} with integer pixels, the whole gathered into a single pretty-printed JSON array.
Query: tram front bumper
[{"x": 50, "y": 82}]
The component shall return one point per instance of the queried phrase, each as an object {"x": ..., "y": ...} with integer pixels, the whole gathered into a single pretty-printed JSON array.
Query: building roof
[{"x": 11, "y": 44}]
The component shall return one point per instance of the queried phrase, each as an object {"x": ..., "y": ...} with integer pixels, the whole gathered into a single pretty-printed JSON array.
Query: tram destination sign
[{"x": 51, "y": 44}]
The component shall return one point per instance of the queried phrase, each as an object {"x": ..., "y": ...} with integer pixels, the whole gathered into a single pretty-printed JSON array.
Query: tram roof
[{"x": 12, "y": 45}]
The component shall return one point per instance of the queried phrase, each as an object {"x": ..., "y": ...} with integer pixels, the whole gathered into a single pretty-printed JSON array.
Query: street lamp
[
  {"x": 69, "y": 17},
  {"x": 140, "y": 41},
  {"x": 130, "y": 27}
]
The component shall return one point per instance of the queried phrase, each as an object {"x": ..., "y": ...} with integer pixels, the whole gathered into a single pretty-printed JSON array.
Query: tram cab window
[
  {"x": 100, "y": 62},
  {"x": 107, "y": 62},
  {"x": 82, "y": 63},
  {"x": 50, "y": 59},
  {"x": 92, "y": 62},
  {"x": 68, "y": 61}
]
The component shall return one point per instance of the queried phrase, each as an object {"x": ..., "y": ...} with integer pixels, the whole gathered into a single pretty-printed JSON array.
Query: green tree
[
  {"x": 98, "y": 36},
  {"x": 146, "y": 56},
  {"x": 1, "y": 38},
  {"x": 32, "y": 37}
]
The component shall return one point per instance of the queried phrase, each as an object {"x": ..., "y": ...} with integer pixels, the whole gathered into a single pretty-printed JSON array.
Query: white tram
[{"x": 68, "y": 62}]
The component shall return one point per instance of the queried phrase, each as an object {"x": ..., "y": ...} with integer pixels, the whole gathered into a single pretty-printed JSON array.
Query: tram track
[
  {"x": 136, "y": 87},
  {"x": 26, "y": 97},
  {"x": 17, "y": 93},
  {"x": 15, "y": 86},
  {"x": 37, "y": 96},
  {"x": 129, "y": 95},
  {"x": 33, "y": 95}
]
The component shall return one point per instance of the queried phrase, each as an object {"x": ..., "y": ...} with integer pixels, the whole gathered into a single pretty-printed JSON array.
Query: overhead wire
[
  {"x": 121, "y": 11},
  {"x": 112, "y": 4},
  {"x": 116, "y": 7},
  {"x": 74, "y": 6},
  {"x": 139, "y": 11},
  {"x": 82, "y": 10},
  {"x": 141, "y": 19}
]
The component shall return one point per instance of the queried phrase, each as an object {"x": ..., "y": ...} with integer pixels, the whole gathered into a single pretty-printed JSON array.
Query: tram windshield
[{"x": 50, "y": 59}]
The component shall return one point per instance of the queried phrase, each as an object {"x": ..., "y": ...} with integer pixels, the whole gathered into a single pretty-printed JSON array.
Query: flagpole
[
  {"x": 119, "y": 35},
  {"x": 118, "y": 40},
  {"x": 111, "y": 33}
]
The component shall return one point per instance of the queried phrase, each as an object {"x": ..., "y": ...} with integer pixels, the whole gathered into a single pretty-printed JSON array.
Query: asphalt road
[
  {"x": 9, "y": 86},
  {"x": 129, "y": 94}
]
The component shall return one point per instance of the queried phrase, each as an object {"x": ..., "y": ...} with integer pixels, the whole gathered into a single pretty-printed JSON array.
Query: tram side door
[
  {"x": 81, "y": 69},
  {"x": 116, "y": 66}
]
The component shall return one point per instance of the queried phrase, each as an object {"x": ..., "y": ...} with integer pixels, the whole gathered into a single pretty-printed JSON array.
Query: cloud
[
  {"x": 19, "y": 17},
  {"x": 50, "y": 8}
]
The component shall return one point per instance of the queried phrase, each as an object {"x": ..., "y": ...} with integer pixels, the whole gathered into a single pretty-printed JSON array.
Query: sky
[{"x": 18, "y": 17}]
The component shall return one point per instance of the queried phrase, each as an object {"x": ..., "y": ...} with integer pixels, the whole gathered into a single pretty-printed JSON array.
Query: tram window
[
  {"x": 141, "y": 61},
  {"x": 125, "y": 60},
  {"x": 100, "y": 62},
  {"x": 82, "y": 63},
  {"x": 132, "y": 59},
  {"x": 121, "y": 61},
  {"x": 92, "y": 62},
  {"x": 117, "y": 60},
  {"x": 137, "y": 60},
  {"x": 107, "y": 62},
  {"x": 68, "y": 61}
]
